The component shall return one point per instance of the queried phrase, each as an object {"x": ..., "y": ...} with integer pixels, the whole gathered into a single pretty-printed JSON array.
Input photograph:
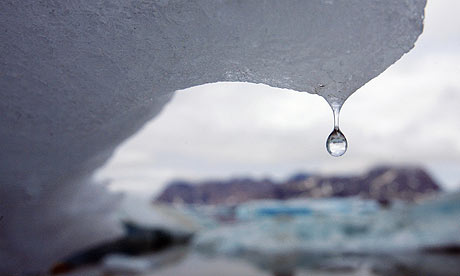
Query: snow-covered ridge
[{"x": 79, "y": 77}]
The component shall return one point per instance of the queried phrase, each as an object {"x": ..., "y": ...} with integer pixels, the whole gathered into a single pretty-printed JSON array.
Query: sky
[{"x": 410, "y": 114}]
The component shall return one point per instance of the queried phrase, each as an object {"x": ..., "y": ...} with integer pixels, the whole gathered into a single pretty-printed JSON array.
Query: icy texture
[
  {"x": 336, "y": 226},
  {"x": 79, "y": 77}
]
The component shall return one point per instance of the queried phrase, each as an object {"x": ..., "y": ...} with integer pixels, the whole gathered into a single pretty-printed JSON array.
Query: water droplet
[{"x": 336, "y": 143}]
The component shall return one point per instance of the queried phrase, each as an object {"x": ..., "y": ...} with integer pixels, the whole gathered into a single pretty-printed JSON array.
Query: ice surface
[
  {"x": 334, "y": 227},
  {"x": 79, "y": 77}
]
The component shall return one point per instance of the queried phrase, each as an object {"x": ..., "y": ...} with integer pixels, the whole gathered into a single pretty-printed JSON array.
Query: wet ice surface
[
  {"x": 195, "y": 264},
  {"x": 79, "y": 78},
  {"x": 198, "y": 265}
]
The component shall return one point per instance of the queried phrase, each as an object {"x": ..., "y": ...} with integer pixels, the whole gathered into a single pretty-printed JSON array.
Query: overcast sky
[{"x": 408, "y": 114}]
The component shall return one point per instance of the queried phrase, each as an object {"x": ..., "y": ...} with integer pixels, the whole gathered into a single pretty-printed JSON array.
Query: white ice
[
  {"x": 336, "y": 226},
  {"x": 79, "y": 77}
]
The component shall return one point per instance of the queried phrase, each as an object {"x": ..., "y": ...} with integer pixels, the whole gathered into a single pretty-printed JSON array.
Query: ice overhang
[{"x": 77, "y": 78}]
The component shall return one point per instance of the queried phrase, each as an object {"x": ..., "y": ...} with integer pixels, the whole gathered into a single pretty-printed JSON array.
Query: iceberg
[
  {"x": 343, "y": 235},
  {"x": 348, "y": 225},
  {"x": 78, "y": 78}
]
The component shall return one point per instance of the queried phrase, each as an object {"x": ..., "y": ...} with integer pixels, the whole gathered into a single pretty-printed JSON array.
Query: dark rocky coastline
[{"x": 383, "y": 183}]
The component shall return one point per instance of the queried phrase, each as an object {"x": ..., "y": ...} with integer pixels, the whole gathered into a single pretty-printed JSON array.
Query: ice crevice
[{"x": 79, "y": 77}]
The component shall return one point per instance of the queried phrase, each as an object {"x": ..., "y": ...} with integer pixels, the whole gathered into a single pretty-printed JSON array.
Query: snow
[{"x": 79, "y": 78}]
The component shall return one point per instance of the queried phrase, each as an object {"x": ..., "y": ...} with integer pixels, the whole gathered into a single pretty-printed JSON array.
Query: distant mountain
[{"x": 381, "y": 183}]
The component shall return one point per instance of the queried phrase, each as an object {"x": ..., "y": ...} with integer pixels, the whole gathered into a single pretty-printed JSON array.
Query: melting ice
[{"x": 333, "y": 227}]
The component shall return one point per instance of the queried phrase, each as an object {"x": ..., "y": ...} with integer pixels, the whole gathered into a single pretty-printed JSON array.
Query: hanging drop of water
[{"x": 336, "y": 143}]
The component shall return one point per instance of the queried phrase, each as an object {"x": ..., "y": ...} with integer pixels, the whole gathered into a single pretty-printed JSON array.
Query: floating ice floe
[{"x": 336, "y": 232}]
